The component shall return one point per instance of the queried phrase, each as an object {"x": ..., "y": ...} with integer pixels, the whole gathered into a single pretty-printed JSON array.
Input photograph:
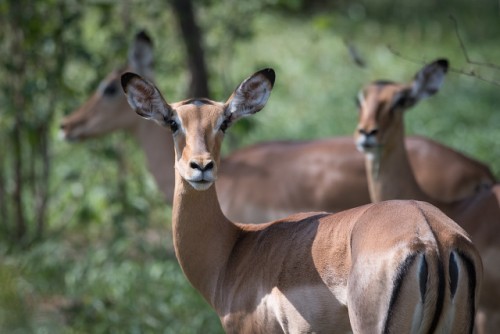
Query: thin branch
[
  {"x": 464, "y": 50},
  {"x": 470, "y": 73},
  {"x": 398, "y": 54},
  {"x": 354, "y": 54}
]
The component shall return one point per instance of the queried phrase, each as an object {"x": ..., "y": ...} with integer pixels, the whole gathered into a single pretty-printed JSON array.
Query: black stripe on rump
[
  {"x": 453, "y": 270},
  {"x": 398, "y": 281},
  {"x": 471, "y": 272},
  {"x": 440, "y": 297},
  {"x": 423, "y": 277}
]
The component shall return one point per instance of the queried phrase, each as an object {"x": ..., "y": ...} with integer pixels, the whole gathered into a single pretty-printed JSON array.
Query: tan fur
[
  {"x": 275, "y": 179},
  {"x": 311, "y": 272},
  {"x": 390, "y": 176}
]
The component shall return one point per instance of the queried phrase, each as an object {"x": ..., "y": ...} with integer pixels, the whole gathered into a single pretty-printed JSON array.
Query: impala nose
[
  {"x": 63, "y": 125},
  {"x": 63, "y": 130},
  {"x": 202, "y": 166},
  {"x": 367, "y": 139},
  {"x": 370, "y": 133}
]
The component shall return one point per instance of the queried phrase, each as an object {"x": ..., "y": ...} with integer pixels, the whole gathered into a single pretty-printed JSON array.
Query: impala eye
[
  {"x": 111, "y": 89},
  {"x": 173, "y": 125},
  {"x": 402, "y": 100},
  {"x": 224, "y": 125}
]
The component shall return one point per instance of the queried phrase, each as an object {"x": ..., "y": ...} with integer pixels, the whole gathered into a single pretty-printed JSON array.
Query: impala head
[
  {"x": 198, "y": 125},
  {"x": 107, "y": 109},
  {"x": 382, "y": 103}
]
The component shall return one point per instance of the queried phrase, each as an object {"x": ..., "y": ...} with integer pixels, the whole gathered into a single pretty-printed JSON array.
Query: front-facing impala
[
  {"x": 380, "y": 136},
  {"x": 393, "y": 267}
]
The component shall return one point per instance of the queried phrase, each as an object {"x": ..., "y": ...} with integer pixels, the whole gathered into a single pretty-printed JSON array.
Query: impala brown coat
[{"x": 394, "y": 267}]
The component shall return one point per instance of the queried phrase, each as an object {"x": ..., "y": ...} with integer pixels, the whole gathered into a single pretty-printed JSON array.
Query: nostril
[
  {"x": 194, "y": 165},
  {"x": 368, "y": 133},
  {"x": 209, "y": 166},
  {"x": 200, "y": 167}
]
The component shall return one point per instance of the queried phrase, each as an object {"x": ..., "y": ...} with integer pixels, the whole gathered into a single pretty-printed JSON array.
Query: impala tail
[{"x": 448, "y": 292}]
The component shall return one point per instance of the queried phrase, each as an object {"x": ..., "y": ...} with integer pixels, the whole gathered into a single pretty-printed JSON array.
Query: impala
[
  {"x": 107, "y": 110},
  {"x": 277, "y": 178},
  {"x": 380, "y": 135},
  {"x": 394, "y": 267}
]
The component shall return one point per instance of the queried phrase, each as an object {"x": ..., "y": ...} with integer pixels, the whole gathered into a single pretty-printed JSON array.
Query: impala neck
[
  {"x": 203, "y": 236},
  {"x": 157, "y": 144},
  {"x": 389, "y": 172}
]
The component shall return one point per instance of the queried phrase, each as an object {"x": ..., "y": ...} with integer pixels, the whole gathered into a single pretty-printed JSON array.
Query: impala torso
[
  {"x": 380, "y": 134},
  {"x": 279, "y": 178},
  {"x": 273, "y": 179},
  {"x": 300, "y": 274},
  {"x": 394, "y": 267}
]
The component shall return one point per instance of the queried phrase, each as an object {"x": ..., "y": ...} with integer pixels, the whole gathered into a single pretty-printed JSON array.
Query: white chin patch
[
  {"x": 61, "y": 135},
  {"x": 370, "y": 155},
  {"x": 201, "y": 185},
  {"x": 360, "y": 145}
]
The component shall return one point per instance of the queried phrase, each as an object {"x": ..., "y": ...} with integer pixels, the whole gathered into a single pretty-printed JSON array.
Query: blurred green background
[{"x": 85, "y": 243}]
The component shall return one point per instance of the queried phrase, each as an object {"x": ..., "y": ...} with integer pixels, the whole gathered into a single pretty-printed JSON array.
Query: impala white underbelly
[{"x": 308, "y": 309}]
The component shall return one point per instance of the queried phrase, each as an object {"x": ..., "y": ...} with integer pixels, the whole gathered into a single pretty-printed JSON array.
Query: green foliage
[
  {"x": 104, "y": 262},
  {"x": 317, "y": 79},
  {"x": 110, "y": 284},
  {"x": 13, "y": 310}
]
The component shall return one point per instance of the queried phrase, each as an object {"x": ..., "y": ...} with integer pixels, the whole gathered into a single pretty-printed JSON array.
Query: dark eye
[
  {"x": 224, "y": 125},
  {"x": 399, "y": 103},
  {"x": 110, "y": 89},
  {"x": 402, "y": 100},
  {"x": 173, "y": 125}
]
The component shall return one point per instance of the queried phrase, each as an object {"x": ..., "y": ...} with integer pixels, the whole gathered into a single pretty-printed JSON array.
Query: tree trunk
[
  {"x": 198, "y": 86},
  {"x": 17, "y": 142},
  {"x": 4, "y": 214}
]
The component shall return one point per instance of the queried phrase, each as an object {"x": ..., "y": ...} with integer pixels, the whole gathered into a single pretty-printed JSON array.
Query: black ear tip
[
  {"x": 143, "y": 35},
  {"x": 443, "y": 62},
  {"x": 269, "y": 74},
  {"x": 125, "y": 79}
]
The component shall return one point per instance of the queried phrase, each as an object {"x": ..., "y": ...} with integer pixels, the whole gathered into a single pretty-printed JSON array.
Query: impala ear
[
  {"x": 140, "y": 54},
  {"x": 145, "y": 98},
  {"x": 251, "y": 95},
  {"x": 429, "y": 79}
]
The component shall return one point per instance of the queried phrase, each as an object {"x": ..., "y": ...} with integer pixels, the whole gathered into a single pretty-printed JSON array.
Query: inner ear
[
  {"x": 252, "y": 94},
  {"x": 429, "y": 79},
  {"x": 140, "y": 54},
  {"x": 145, "y": 98}
]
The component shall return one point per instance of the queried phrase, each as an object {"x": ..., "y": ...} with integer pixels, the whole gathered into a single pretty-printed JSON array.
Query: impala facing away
[
  {"x": 273, "y": 179},
  {"x": 394, "y": 267},
  {"x": 380, "y": 135}
]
